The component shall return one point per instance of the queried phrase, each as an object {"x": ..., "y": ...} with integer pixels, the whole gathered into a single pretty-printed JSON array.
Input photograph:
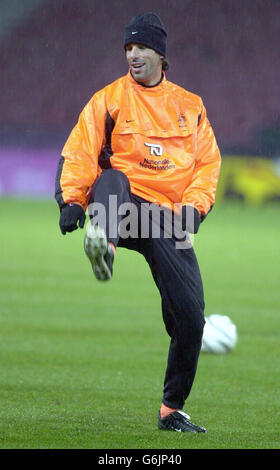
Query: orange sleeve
[
  {"x": 201, "y": 192},
  {"x": 81, "y": 152}
]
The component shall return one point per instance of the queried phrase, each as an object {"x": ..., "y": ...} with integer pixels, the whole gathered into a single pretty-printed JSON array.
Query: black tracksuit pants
[{"x": 177, "y": 276}]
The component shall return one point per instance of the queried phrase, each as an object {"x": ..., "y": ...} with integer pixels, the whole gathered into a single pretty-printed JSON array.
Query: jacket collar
[{"x": 143, "y": 87}]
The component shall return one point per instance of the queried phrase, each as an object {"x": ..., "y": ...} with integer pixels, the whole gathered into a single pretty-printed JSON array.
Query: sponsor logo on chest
[{"x": 155, "y": 149}]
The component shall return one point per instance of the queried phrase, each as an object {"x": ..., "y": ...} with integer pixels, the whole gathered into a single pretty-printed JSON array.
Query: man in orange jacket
[{"x": 144, "y": 146}]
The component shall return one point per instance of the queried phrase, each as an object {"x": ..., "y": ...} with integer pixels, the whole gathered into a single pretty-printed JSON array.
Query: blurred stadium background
[
  {"x": 73, "y": 358},
  {"x": 55, "y": 54}
]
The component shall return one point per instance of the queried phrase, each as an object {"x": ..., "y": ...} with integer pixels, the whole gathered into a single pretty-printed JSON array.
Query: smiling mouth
[{"x": 137, "y": 67}]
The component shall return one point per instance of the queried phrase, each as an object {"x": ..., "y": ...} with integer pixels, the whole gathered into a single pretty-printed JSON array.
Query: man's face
[{"x": 145, "y": 63}]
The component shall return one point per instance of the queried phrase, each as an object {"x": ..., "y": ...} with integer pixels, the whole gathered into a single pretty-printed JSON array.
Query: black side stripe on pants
[{"x": 107, "y": 152}]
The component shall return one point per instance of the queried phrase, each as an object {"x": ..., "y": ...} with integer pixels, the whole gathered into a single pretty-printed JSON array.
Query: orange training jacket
[{"x": 158, "y": 136}]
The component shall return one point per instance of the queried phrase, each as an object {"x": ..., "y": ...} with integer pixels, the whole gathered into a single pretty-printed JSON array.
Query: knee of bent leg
[
  {"x": 116, "y": 175},
  {"x": 112, "y": 182}
]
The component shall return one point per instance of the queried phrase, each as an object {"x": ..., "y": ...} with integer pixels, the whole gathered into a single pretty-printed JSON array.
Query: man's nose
[{"x": 134, "y": 52}]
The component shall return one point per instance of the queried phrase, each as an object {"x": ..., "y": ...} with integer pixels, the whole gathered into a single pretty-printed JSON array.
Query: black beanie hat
[{"x": 147, "y": 29}]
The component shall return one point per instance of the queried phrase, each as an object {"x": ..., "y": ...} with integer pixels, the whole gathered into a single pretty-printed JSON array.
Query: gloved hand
[
  {"x": 69, "y": 217},
  {"x": 190, "y": 219}
]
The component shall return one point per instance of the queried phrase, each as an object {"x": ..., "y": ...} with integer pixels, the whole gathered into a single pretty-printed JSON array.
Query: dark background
[{"x": 55, "y": 54}]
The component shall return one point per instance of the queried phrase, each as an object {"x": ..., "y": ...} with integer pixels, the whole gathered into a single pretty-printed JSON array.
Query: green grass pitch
[{"x": 82, "y": 363}]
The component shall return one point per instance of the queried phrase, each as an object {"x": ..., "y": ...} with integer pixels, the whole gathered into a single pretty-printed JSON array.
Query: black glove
[
  {"x": 69, "y": 217},
  {"x": 190, "y": 219}
]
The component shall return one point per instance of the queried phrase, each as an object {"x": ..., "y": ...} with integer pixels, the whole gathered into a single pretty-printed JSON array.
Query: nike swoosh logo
[
  {"x": 134, "y": 32},
  {"x": 129, "y": 120}
]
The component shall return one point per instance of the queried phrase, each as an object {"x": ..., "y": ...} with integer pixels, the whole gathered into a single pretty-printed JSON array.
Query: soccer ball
[{"x": 219, "y": 335}]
